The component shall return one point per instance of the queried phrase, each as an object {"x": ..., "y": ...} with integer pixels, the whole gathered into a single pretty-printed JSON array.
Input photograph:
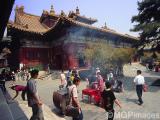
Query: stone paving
[
  {"x": 130, "y": 110},
  {"x": 48, "y": 114}
]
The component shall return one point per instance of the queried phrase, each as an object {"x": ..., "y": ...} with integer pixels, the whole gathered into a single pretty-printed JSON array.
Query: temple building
[{"x": 56, "y": 39}]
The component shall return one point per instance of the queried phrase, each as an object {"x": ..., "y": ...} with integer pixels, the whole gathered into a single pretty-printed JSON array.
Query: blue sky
[{"x": 116, "y": 13}]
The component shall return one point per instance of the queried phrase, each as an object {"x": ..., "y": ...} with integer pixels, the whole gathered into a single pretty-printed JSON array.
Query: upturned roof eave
[
  {"x": 99, "y": 29},
  {"x": 13, "y": 26},
  {"x": 71, "y": 21}
]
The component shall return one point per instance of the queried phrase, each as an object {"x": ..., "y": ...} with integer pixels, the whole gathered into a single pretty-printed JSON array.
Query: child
[{"x": 19, "y": 88}]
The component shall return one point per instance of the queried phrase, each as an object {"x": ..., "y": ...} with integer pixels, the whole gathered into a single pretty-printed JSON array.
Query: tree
[
  {"x": 105, "y": 57},
  {"x": 148, "y": 23}
]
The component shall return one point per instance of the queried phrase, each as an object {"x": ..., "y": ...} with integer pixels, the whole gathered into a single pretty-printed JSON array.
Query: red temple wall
[
  {"x": 71, "y": 50},
  {"x": 59, "y": 57},
  {"x": 64, "y": 56},
  {"x": 34, "y": 56}
]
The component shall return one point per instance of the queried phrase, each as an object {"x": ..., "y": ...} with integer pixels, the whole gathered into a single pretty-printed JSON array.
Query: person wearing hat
[{"x": 33, "y": 97}]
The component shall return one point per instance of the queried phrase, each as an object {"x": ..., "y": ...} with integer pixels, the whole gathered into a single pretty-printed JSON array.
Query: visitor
[
  {"x": 69, "y": 78},
  {"x": 19, "y": 88},
  {"x": 75, "y": 72},
  {"x": 110, "y": 76},
  {"x": 139, "y": 82},
  {"x": 113, "y": 83},
  {"x": 150, "y": 66},
  {"x": 33, "y": 97},
  {"x": 18, "y": 75},
  {"x": 63, "y": 80},
  {"x": 100, "y": 82},
  {"x": 108, "y": 100},
  {"x": 87, "y": 83},
  {"x": 74, "y": 98},
  {"x": 97, "y": 71},
  {"x": 69, "y": 75},
  {"x": 118, "y": 87},
  {"x": 12, "y": 76}
]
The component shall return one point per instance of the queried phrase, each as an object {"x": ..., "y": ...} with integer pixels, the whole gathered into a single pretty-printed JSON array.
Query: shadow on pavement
[
  {"x": 57, "y": 112},
  {"x": 129, "y": 85},
  {"x": 131, "y": 100},
  {"x": 156, "y": 83}
]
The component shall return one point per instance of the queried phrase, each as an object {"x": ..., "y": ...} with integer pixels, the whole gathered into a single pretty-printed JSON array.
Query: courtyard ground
[{"x": 130, "y": 109}]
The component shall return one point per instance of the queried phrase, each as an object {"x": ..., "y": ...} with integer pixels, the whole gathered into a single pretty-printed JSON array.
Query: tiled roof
[
  {"x": 90, "y": 19},
  {"x": 28, "y": 22},
  {"x": 100, "y": 29},
  {"x": 31, "y": 23}
]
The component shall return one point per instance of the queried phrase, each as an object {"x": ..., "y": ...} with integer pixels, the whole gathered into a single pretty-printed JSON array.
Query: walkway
[{"x": 93, "y": 112}]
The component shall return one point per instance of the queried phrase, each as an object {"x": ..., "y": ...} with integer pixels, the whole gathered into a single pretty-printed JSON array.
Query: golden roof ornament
[
  {"x": 45, "y": 12},
  {"x": 19, "y": 9},
  {"x": 77, "y": 10},
  {"x": 52, "y": 12},
  {"x": 62, "y": 13},
  {"x": 16, "y": 7},
  {"x": 105, "y": 26}
]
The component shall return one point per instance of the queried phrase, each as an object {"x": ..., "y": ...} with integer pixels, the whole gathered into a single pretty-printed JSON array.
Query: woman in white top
[{"x": 63, "y": 79}]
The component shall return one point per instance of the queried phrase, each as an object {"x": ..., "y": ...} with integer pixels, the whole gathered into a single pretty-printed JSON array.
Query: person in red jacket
[{"x": 19, "y": 88}]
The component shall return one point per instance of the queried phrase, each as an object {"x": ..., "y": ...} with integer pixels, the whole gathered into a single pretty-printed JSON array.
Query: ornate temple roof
[
  {"x": 76, "y": 16},
  {"x": 27, "y": 22},
  {"x": 98, "y": 29},
  {"x": 32, "y": 23}
]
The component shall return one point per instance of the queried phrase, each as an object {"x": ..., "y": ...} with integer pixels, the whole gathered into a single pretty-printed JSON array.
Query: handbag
[
  {"x": 145, "y": 87},
  {"x": 70, "y": 109}
]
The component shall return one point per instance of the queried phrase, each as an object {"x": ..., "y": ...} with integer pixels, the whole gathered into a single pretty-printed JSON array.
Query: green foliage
[
  {"x": 148, "y": 56},
  {"x": 38, "y": 67},
  {"x": 104, "y": 56},
  {"x": 148, "y": 22}
]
